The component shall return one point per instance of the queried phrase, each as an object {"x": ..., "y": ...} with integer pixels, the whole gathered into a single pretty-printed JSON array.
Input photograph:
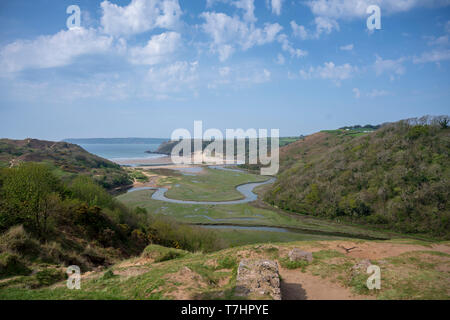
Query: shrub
[
  {"x": 299, "y": 264},
  {"x": 227, "y": 262},
  {"x": 49, "y": 276},
  {"x": 160, "y": 254},
  {"x": 12, "y": 265}
]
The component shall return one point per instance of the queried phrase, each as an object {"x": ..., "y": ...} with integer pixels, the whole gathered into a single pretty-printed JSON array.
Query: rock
[
  {"x": 361, "y": 267},
  {"x": 259, "y": 278},
  {"x": 297, "y": 255}
]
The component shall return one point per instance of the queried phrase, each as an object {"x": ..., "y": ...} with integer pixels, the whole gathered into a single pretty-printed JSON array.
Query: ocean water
[{"x": 122, "y": 151}]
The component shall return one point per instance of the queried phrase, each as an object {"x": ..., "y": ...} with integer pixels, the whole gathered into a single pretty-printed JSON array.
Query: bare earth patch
[{"x": 296, "y": 285}]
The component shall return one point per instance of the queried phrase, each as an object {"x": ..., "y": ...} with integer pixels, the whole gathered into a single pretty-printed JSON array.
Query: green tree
[{"x": 30, "y": 192}]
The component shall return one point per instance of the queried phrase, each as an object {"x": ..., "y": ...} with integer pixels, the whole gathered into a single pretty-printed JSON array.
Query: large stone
[
  {"x": 258, "y": 278},
  {"x": 361, "y": 267},
  {"x": 298, "y": 255}
]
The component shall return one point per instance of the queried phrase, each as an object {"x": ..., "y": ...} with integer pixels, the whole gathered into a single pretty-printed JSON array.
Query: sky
[{"x": 143, "y": 68}]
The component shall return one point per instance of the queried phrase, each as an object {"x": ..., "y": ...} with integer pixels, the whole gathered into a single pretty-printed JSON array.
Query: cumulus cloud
[
  {"x": 139, "y": 16},
  {"x": 51, "y": 51},
  {"x": 347, "y": 9},
  {"x": 348, "y": 47},
  {"x": 299, "y": 31},
  {"x": 392, "y": 67},
  {"x": 372, "y": 94},
  {"x": 276, "y": 6},
  {"x": 158, "y": 49},
  {"x": 287, "y": 47},
  {"x": 173, "y": 78},
  {"x": 238, "y": 76},
  {"x": 330, "y": 71},
  {"x": 323, "y": 25},
  {"x": 433, "y": 56},
  {"x": 439, "y": 41},
  {"x": 229, "y": 33},
  {"x": 280, "y": 59},
  {"x": 328, "y": 12},
  {"x": 248, "y": 6},
  {"x": 377, "y": 93},
  {"x": 257, "y": 77}
]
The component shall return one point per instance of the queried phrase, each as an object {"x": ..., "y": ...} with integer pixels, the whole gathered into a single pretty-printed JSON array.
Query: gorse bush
[
  {"x": 46, "y": 220},
  {"x": 169, "y": 233},
  {"x": 397, "y": 177}
]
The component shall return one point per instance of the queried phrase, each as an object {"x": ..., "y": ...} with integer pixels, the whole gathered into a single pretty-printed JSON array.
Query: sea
[{"x": 121, "y": 149}]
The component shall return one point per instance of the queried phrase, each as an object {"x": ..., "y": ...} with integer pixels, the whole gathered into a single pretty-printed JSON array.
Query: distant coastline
[
  {"x": 116, "y": 140},
  {"x": 123, "y": 151}
]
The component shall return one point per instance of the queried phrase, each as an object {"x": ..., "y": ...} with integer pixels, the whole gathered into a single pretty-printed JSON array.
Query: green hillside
[
  {"x": 397, "y": 177},
  {"x": 67, "y": 159}
]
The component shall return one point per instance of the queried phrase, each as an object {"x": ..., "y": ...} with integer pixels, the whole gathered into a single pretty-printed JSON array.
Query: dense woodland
[{"x": 397, "y": 177}]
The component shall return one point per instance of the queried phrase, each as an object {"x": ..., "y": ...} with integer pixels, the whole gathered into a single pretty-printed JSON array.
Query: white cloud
[
  {"x": 299, "y": 31},
  {"x": 433, "y": 56},
  {"x": 238, "y": 76},
  {"x": 158, "y": 49},
  {"x": 330, "y": 71},
  {"x": 372, "y": 94},
  {"x": 257, "y": 77},
  {"x": 228, "y": 33},
  {"x": 276, "y": 6},
  {"x": 51, "y": 51},
  {"x": 225, "y": 71},
  {"x": 172, "y": 78},
  {"x": 377, "y": 93},
  {"x": 324, "y": 25},
  {"x": 347, "y": 9},
  {"x": 392, "y": 67},
  {"x": 348, "y": 47},
  {"x": 287, "y": 47},
  {"x": 440, "y": 41},
  {"x": 248, "y": 6},
  {"x": 280, "y": 59},
  {"x": 139, "y": 16}
]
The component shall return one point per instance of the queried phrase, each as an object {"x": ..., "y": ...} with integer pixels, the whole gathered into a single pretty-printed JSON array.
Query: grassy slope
[
  {"x": 397, "y": 177},
  {"x": 413, "y": 271},
  {"x": 253, "y": 214},
  {"x": 67, "y": 159}
]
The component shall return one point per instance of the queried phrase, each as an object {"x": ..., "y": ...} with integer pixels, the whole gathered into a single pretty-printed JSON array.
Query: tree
[{"x": 30, "y": 192}]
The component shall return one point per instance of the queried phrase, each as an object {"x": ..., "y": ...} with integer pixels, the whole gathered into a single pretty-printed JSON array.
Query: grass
[
  {"x": 213, "y": 185},
  {"x": 412, "y": 275},
  {"x": 241, "y": 214},
  {"x": 160, "y": 254}
]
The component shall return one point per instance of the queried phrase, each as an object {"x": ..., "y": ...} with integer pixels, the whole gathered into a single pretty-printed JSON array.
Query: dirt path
[{"x": 302, "y": 286}]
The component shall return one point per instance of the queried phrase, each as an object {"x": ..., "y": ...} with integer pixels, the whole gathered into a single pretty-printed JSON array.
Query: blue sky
[{"x": 143, "y": 68}]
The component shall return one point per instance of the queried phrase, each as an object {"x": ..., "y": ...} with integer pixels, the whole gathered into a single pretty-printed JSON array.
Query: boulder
[
  {"x": 297, "y": 255},
  {"x": 361, "y": 267},
  {"x": 258, "y": 278}
]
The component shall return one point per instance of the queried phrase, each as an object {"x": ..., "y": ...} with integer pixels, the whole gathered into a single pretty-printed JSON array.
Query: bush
[
  {"x": 49, "y": 276},
  {"x": 17, "y": 240},
  {"x": 169, "y": 233},
  {"x": 160, "y": 254},
  {"x": 227, "y": 262},
  {"x": 12, "y": 265},
  {"x": 299, "y": 264}
]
